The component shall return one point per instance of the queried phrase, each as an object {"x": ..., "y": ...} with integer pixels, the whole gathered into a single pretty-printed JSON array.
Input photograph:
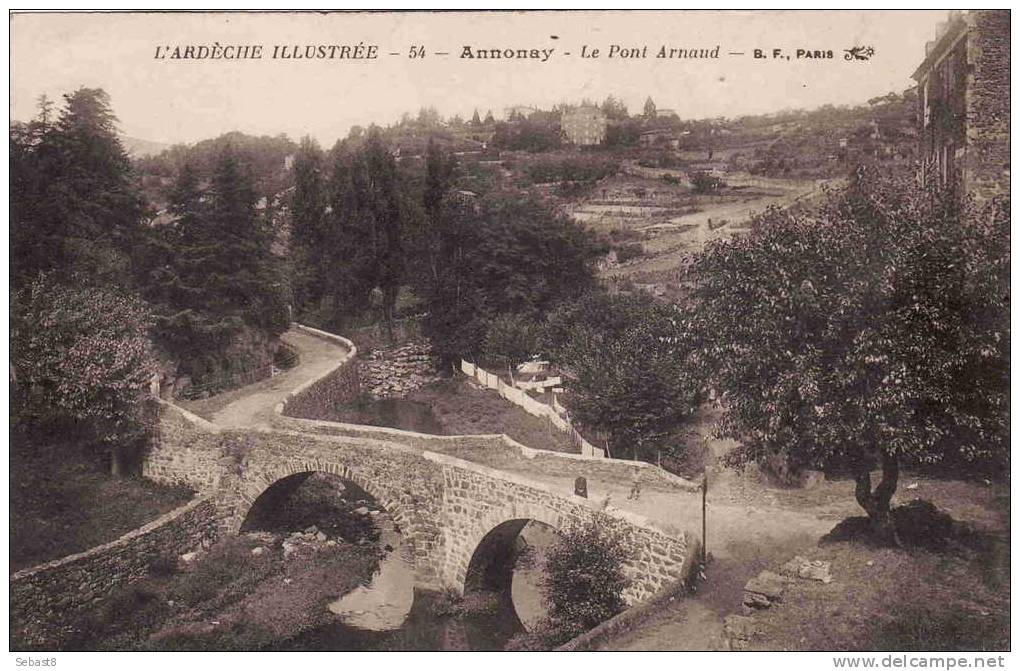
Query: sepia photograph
[{"x": 510, "y": 331}]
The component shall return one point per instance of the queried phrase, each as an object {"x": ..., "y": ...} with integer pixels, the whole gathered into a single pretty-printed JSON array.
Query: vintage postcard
[{"x": 511, "y": 331}]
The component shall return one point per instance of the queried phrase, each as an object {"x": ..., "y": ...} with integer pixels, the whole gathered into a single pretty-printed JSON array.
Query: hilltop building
[
  {"x": 584, "y": 125},
  {"x": 963, "y": 115},
  {"x": 519, "y": 112}
]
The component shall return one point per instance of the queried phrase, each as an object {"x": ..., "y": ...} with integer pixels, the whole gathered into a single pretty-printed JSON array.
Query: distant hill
[
  {"x": 265, "y": 158},
  {"x": 138, "y": 148}
]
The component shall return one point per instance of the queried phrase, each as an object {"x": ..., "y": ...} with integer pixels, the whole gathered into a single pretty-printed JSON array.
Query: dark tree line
[
  {"x": 467, "y": 258},
  {"x": 209, "y": 274},
  {"x": 101, "y": 297},
  {"x": 349, "y": 223}
]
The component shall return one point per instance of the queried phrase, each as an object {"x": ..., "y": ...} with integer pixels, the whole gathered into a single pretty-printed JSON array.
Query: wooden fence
[{"x": 521, "y": 399}]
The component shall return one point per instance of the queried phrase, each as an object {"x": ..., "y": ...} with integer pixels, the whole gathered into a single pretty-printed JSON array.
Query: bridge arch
[
  {"x": 283, "y": 477},
  {"x": 487, "y": 563}
]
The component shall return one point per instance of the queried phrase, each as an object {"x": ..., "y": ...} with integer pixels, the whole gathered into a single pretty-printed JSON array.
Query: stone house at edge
[{"x": 963, "y": 111}]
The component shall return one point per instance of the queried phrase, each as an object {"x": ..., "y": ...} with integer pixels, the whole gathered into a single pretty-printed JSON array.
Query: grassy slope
[
  {"x": 229, "y": 599},
  {"x": 463, "y": 408},
  {"x": 62, "y": 502}
]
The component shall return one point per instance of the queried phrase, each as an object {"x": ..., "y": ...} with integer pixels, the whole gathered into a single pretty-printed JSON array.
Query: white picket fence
[{"x": 521, "y": 399}]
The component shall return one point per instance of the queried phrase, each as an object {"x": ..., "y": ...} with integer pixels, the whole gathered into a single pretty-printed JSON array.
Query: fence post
[{"x": 704, "y": 522}]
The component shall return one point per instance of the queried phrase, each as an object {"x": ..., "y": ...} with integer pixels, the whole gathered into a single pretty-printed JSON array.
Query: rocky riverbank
[{"x": 252, "y": 591}]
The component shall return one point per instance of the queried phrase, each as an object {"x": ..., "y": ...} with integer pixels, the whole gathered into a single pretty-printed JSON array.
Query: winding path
[{"x": 252, "y": 405}]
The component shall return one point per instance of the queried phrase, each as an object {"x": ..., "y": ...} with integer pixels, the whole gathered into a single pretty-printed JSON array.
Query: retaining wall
[
  {"x": 199, "y": 466},
  {"x": 44, "y": 599},
  {"x": 316, "y": 398}
]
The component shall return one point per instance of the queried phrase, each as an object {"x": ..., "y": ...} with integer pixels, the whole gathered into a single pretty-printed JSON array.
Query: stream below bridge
[{"x": 389, "y": 613}]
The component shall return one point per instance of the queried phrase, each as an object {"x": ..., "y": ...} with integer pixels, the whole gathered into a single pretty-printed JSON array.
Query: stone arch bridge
[{"x": 459, "y": 516}]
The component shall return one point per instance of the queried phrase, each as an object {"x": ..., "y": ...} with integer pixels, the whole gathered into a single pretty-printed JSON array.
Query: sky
[{"x": 168, "y": 100}]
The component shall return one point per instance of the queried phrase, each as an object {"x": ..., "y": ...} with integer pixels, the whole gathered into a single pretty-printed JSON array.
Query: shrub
[
  {"x": 629, "y": 251},
  {"x": 705, "y": 182},
  {"x": 584, "y": 579},
  {"x": 571, "y": 169}
]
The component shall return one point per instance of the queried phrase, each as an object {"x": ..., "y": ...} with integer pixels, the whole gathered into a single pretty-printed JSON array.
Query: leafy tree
[
  {"x": 82, "y": 354},
  {"x": 310, "y": 234},
  {"x": 489, "y": 119},
  {"x": 614, "y": 108},
  {"x": 220, "y": 277},
  {"x": 264, "y": 159},
  {"x": 366, "y": 221},
  {"x": 511, "y": 339},
  {"x": 628, "y": 251},
  {"x": 475, "y": 119},
  {"x": 623, "y": 133},
  {"x": 705, "y": 182},
  {"x": 584, "y": 578},
  {"x": 872, "y": 331},
  {"x": 534, "y": 135},
  {"x": 500, "y": 255},
  {"x": 630, "y": 363}
]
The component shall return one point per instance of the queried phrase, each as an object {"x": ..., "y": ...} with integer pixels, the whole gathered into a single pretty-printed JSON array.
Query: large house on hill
[{"x": 584, "y": 125}]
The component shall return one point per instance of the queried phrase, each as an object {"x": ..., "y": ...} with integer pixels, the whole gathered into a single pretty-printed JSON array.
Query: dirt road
[{"x": 252, "y": 405}]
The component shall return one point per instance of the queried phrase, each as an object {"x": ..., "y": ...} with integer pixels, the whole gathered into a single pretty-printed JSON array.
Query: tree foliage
[
  {"x": 873, "y": 330},
  {"x": 74, "y": 204},
  {"x": 614, "y": 108},
  {"x": 630, "y": 360},
  {"x": 81, "y": 355},
  {"x": 705, "y": 182},
  {"x": 213, "y": 274},
  {"x": 534, "y": 135},
  {"x": 511, "y": 339},
  {"x": 499, "y": 255},
  {"x": 649, "y": 108},
  {"x": 350, "y": 227},
  {"x": 584, "y": 579}
]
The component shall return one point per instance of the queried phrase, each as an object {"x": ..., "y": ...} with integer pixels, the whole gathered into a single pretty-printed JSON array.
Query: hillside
[{"x": 139, "y": 148}]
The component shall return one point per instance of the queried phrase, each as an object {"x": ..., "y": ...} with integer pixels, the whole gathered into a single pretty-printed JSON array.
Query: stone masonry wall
[
  {"x": 317, "y": 398},
  {"x": 595, "y": 468},
  {"x": 444, "y": 506},
  {"x": 501, "y": 449},
  {"x": 44, "y": 599},
  {"x": 312, "y": 401},
  {"x": 987, "y": 161},
  {"x": 420, "y": 441},
  {"x": 477, "y": 499},
  {"x": 185, "y": 450}
]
